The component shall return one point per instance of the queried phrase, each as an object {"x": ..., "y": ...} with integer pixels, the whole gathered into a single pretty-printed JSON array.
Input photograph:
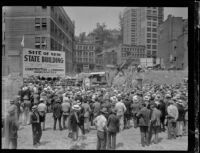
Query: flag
[{"x": 22, "y": 42}]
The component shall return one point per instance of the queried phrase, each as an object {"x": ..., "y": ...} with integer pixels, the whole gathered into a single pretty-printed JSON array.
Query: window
[
  {"x": 154, "y": 41},
  {"x": 148, "y": 23},
  {"x": 37, "y": 24},
  {"x": 148, "y": 46},
  {"x": 148, "y": 53},
  {"x": 148, "y": 34},
  {"x": 154, "y": 24},
  {"x": 154, "y": 35},
  {"x": 154, "y": 53},
  {"x": 148, "y": 40},
  {"x": 148, "y": 29},
  {"x": 154, "y": 46},
  {"x": 154, "y": 30}
]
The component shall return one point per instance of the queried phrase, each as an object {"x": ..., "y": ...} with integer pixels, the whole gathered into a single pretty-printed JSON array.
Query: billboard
[{"x": 44, "y": 63}]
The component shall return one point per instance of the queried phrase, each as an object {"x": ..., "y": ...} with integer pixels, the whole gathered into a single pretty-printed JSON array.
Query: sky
[{"x": 86, "y": 17}]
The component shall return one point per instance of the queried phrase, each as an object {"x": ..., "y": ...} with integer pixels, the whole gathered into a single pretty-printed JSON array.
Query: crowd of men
[{"x": 153, "y": 109}]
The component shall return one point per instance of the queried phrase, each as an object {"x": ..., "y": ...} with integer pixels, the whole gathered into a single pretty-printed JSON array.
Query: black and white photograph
[{"x": 95, "y": 78}]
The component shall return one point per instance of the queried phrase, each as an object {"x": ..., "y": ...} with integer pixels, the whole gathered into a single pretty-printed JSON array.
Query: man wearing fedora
[
  {"x": 113, "y": 129},
  {"x": 11, "y": 126},
  {"x": 101, "y": 125},
  {"x": 36, "y": 126},
  {"x": 57, "y": 113},
  {"x": 144, "y": 122}
]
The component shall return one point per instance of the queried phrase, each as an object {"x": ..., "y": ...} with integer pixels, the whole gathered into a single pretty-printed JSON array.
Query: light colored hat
[
  {"x": 65, "y": 99},
  {"x": 168, "y": 96},
  {"x": 25, "y": 97},
  {"x": 41, "y": 99},
  {"x": 34, "y": 107},
  {"x": 76, "y": 107},
  {"x": 146, "y": 98},
  {"x": 135, "y": 98},
  {"x": 104, "y": 110}
]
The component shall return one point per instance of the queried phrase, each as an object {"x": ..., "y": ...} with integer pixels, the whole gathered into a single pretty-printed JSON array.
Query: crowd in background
[{"x": 153, "y": 109}]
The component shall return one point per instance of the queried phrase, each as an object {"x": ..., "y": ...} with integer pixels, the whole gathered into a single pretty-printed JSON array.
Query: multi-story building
[
  {"x": 107, "y": 58},
  {"x": 85, "y": 57},
  {"x": 121, "y": 54},
  {"x": 42, "y": 27},
  {"x": 173, "y": 38},
  {"x": 130, "y": 53},
  {"x": 99, "y": 61},
  {"x": 4, "y": 63},
  {"x": 140, "y": 27}
]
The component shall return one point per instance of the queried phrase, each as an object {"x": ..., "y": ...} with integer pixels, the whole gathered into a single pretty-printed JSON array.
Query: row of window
[
  {"x": 133, "y": 55},
  {"x": 153, "y": 46},
  {"x": 61, "y": 21},
  {"x": 153, "y": 35},
  {"x": 40, "y": 24},
  {"x": 154, "y": 24},
  {"x": 154, "y": 18},
  {"x": 153, "y": 41},
  {"x": 153, "y": 29},
  {"x": 133, "y": 49},
  {"x": 58, "y": 33},
  {"x": 79, "y": 47},
  {"x": 85, "y": 60},
  {"x": 84, "y": 53}
]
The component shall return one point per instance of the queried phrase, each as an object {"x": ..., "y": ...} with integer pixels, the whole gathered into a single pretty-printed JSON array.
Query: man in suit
[
  {"x": 113, "y": 128},
  {"x": 36, "y": 126},
  {"x": 57, "y": 113},
  {"x": 154, "y": 122},
  {"x": 144, "y": 122}
]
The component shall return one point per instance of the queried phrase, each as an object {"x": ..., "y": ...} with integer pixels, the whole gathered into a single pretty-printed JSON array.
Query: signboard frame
[{"x": 43, "y": 63}]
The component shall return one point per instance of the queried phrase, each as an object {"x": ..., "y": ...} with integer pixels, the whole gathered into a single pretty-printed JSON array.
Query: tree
[
  {"x": 82, "y": 37},
  {"x": 101, "y": 33}
]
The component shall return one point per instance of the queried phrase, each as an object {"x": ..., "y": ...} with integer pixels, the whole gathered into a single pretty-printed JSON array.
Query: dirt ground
[{"x": 126, "y": 140}]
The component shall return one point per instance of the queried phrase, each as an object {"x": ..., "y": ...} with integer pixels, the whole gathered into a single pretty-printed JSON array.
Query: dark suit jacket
[
  {"x": 155, "y": 117},
  {"x": 113, "y": 123},
  {"x": 57, "y": 110},
  {"x": 144, "y": 117}
]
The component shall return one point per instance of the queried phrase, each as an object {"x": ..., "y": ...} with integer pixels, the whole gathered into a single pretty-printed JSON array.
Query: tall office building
[
  {"x": 173, "y": 42},
  {"x": 140, "y": 27},
  {"x": 42, "y": 27}
]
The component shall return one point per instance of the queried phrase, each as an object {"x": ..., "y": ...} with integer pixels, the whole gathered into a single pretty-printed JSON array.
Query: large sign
[{"x": 43, "y": 63}]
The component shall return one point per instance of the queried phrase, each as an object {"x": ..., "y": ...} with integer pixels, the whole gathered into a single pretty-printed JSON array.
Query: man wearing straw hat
[{"x": 74, "y": 121}]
